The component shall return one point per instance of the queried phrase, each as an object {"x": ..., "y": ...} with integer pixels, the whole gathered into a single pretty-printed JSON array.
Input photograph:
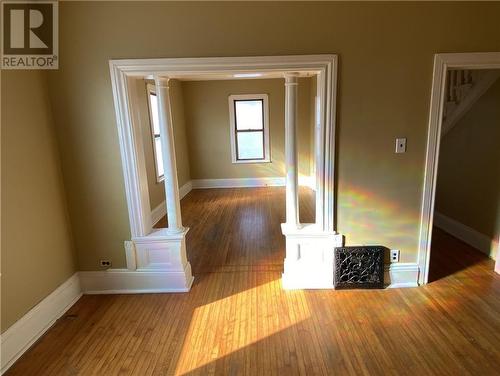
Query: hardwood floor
[
  {"x": 449, "y": 255},
  {"x": 238, "y": 229},
  {"x": 237, "y": 320}
]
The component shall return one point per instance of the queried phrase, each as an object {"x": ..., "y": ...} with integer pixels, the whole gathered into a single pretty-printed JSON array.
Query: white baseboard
[
  {"x": 123, "y": 281},
  {"x": 161, "y": 210},
  {"x": 185, "y": 189},
  {"x": 397, "y": 275},
  {"x": 238, "y": 183},
  {"x": 249, "y": 182},
  {"x": 467, "y": 234},
  {"x": 20, "y": 336},
  {"x": 401, "y": 275},
  {"x": 158, "y": 213}
]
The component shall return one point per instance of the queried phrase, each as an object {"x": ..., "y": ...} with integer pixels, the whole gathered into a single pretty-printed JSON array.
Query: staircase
[{"x": 463, "y": 88}]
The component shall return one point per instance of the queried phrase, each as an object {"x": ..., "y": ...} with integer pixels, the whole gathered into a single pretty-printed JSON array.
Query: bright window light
[
  {"x": 249, "y": 128},
  {"x": 155, "y": 132},
  {"x": 246, "y": 75}
]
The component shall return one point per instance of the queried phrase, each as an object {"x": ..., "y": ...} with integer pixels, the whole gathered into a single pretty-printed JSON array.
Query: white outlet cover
[
  {"x": 401, "y": 145},
  {"x": 394, "y": 255}
]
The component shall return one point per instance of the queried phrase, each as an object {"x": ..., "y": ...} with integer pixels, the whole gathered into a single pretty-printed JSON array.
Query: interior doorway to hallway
[
  {"x": 461, "y": 195},
  {"x": 468, "y": 181}
]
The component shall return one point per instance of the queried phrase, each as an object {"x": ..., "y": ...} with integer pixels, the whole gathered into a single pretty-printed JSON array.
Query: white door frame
[
  {"x": 442, "y": 62},
  {"x": 123, "y": 76}
]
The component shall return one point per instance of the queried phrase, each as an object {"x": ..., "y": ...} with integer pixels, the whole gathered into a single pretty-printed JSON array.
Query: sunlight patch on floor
[{"x": 237, "y": 321}]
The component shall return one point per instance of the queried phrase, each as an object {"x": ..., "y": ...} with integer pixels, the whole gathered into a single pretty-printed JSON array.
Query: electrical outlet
[
  {"x": 394, "y": 255},
  {"x": 400, "y": 145},
  {"x": 105, "y": 263}
]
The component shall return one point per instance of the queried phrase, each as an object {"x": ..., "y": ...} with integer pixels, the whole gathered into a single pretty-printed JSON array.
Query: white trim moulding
[
  {"x": 467, "y": 234},
  {"x": 148, "y": 250},
  {"x": 442, "y": 62},
  {"x": 398, "y": 275},
  {"x": 26, "y": 331},
  {"x": 123, "y": 281}
]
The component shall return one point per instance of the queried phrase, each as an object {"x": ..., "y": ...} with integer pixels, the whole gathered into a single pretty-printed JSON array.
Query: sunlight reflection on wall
[{"x": 367, "y": 218}]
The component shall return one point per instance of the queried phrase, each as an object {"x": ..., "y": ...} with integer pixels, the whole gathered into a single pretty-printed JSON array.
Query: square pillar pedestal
[
  {"x": 164, "y": 254},
  {"x": 309, "y": 257}
]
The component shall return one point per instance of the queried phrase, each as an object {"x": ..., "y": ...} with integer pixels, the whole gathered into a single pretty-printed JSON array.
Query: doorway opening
[
  {"x": 461, "y": 204},
  {"x": 163, "y": 250},
  {"x": 229, "y": 138}
]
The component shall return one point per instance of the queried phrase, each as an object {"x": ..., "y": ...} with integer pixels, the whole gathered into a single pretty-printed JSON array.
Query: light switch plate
[{"x": 401, "y": 145}]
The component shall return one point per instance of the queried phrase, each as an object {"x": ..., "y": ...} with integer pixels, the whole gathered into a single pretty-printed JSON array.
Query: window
[
  {"x": 249, "y": 118},
  {"x": 155, "y": 132}
]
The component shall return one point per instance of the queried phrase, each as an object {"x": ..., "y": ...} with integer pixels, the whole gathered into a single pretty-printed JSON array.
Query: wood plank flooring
[
  {"x": 237, "y": 320},
  {"x": 238, "y": 229}
]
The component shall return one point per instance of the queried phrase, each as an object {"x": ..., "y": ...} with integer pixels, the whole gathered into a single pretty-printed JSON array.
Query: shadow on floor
[{"x": 450, "y": 255}]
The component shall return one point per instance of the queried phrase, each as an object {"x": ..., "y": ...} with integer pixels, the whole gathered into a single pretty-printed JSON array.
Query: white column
[
  {"x": 171, "y": 183},
  {"x": 291, "y": 156}
]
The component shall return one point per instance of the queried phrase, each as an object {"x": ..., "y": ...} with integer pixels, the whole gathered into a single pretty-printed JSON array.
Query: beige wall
[
  {"x": 157, "y": 190},
  {"x": 386, "y": 55},
  {"x": 208, "y": 125},
  {"x": 37, "y": 249},
  {"x": 468, "y": 186}
]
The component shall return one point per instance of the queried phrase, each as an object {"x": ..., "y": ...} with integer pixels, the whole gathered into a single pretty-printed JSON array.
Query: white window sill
[{"x": 252, "y": 161}]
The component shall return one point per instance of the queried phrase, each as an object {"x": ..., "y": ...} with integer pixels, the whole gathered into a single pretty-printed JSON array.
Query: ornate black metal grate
[{"x": 359, "y": 267}]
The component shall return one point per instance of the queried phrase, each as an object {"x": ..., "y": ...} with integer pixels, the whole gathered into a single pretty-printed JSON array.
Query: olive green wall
[
  {"x": 386, "y": 54},
  {"x": 37, "y": 248},
  {"x": 157, "y": 190},
  {"x": 468, "y": 185},
  {"x": 208, "y": 127}
]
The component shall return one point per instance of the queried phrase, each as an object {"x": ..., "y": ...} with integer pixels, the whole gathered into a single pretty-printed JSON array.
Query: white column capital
[
  {"x": 291, "y": 78},
  {"x": 161, "y": 81}
]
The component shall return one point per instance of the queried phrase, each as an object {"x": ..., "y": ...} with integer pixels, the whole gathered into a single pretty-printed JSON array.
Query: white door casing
[
  {"x": 309, "y": 262},
  {"x": 442, "y": 62}
]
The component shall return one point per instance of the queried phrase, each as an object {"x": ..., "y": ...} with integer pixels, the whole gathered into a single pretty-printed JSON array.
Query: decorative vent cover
[{"x": 359, "y": 267}]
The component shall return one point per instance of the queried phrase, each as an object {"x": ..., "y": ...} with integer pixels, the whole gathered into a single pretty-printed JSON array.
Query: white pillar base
[
  {"x": 165, "y": 252},
  {"x": 309, "y": 257}
]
